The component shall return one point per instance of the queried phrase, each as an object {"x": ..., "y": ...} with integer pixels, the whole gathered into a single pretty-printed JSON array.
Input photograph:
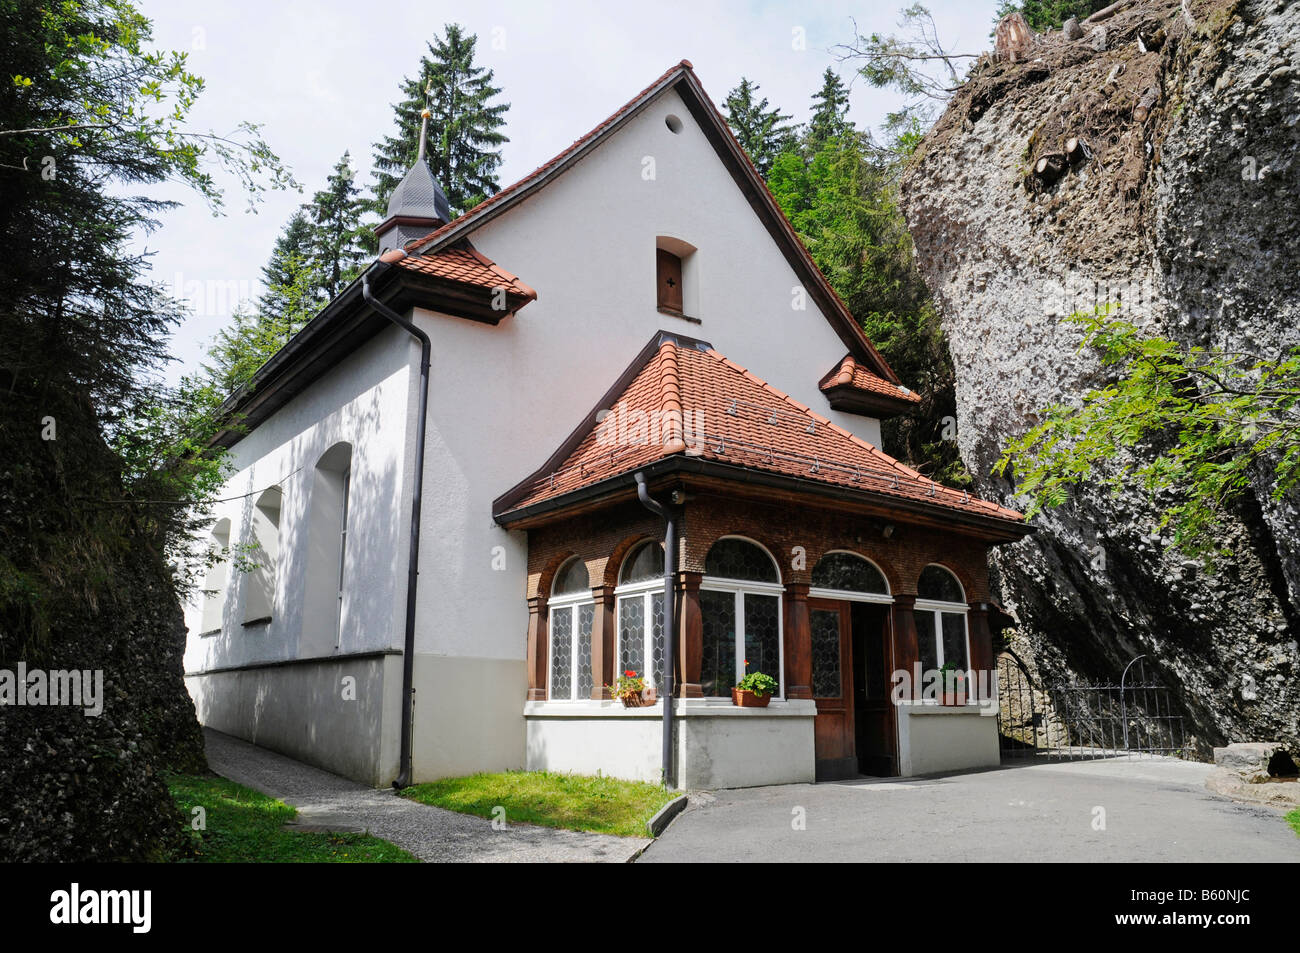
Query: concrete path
[
  {"x": 1156, "y": 810},
  {"x": 429, "y": 833}
]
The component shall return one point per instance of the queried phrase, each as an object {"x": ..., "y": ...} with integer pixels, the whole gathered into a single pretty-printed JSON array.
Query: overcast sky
[{"x": 321, "y": 77}]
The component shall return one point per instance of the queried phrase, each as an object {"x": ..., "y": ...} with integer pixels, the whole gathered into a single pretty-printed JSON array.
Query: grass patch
[
  {"x": 244, "y": 826},
  {"x": 1294, "y": 820},
  {"x": 573, "y": 801}
]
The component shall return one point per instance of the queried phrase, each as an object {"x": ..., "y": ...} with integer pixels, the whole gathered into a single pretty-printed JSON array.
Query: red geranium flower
[{"x": 630, "y": 674}]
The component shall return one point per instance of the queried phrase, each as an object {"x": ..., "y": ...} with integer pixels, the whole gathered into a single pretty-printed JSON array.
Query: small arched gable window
[
  {"x": 740, "y": 602},
  {"x": 640, "y": 596},
  {"x": 572, "y": 614}
]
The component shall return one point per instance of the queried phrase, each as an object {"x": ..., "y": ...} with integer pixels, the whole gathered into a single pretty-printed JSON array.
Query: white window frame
[
  {"x": 738, "y": 587},
  {"x": 646, "y": 592},
  {"x": 938, "y": 608},
  {"x": 571, "y": 603}
]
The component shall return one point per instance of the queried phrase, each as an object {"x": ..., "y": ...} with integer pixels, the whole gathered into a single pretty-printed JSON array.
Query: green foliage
[
  {"x": 758, "y": 683},
  {"x": 829, "y": 118},
  {"x": 464, "y": 130},
  {"x": 1294, "y": 820},
  {"x": 627, "y": 684},
  {"x": 1187, "y": 426},
  {"x": 1049, "y": 14},
  {"x": 338, "y": 240},
  {"x": 842, "y": 200},
  {"x": 244, "y": 826},
  {"x": 763, "y": 132},
  {"x": 570, "y": 801},
  {"x": 92, "y": 118}
]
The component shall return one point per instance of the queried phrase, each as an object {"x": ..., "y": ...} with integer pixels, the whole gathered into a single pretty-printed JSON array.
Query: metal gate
[{"x": 1135, "y": 717}]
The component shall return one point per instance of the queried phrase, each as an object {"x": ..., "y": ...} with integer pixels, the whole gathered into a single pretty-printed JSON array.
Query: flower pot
[
  {"x": 633, "y": 700},
  {"x": 744, "y": 698}
]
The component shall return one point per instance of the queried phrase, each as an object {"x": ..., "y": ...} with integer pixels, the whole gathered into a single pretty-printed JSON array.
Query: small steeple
[{"x": 418, "y": 205}]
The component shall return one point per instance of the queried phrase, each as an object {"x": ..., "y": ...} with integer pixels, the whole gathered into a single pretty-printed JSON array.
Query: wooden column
[
  {"x": 690, "y": 635},
  {"x": 981, "y": 646},
  {"x": 905, "y": 652},
  {"x": 798, "y": 642},
  {"x": 538, "y": 656},
  {"x": 602, "y": 642}
]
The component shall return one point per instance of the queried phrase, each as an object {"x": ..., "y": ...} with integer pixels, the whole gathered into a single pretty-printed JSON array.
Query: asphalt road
[{"x": 1117, "y": 811}]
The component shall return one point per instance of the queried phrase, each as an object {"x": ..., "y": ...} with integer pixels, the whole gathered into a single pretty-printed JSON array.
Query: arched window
[
  {"x": 572, "y": 613},
  {"x": 941, "y": 633},
  {"x": 216, "y": 581},
  {"x": 841, "y": 572},
  {"x": 740, "y": 601},
  {"x": 327, "y": 544},
  {"x": 640, "y": 603},
  {"x": 259, "y": 588}
]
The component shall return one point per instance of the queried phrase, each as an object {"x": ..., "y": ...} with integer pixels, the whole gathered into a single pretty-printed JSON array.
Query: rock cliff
[{"x": 1184, "y": 204}]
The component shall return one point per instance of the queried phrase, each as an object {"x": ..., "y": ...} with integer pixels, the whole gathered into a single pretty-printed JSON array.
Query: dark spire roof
[
  {"x": 419, "y": 195},
  {"x": 417, "y": 204}
]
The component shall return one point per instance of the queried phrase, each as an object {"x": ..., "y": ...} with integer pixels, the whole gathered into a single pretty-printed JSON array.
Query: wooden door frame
[{"x": 844, "y": 710}]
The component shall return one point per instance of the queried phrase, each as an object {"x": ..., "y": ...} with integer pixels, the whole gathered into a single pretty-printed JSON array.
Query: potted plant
[
  {"x": 754, "y": 690},
  {"x": 951, "y": 684},
  {"x": 630, "y": 687}
]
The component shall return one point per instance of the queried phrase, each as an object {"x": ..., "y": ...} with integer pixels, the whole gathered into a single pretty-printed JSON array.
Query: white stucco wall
[
  {"x": 935, "y": 738},
  {"x": 717, "y": 745},
  {"x": 501, "y": 400}
]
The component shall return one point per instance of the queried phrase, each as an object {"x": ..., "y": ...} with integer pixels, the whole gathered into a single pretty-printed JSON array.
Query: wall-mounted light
[
  {"x": 678, "y": 497},
  {"x": 888, "y": 531}
]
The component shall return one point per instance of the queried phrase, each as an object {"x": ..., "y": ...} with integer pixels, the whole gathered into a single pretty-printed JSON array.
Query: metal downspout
[
  {"x": 669, "y": 516},
  {"x": 417, "y": 495}
]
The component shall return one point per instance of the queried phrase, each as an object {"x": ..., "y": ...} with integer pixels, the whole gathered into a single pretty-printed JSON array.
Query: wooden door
[
  {"x": 874, "y": 730},
  {"x": 832, "y": 684}
]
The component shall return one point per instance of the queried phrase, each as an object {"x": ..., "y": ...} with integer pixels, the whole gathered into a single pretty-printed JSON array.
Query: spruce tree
[
  {"x": 465, "y": 140},
  {"x": 337, "y": 237},
  {"x": 764, "y": 133},
  {"x": 830, "y": 107}
]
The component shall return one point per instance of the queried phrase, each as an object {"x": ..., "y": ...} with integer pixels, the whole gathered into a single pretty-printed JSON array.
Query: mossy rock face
[{"x": 86, "y": 589}]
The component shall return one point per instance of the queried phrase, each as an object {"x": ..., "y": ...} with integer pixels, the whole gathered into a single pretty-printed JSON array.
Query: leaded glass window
[
  {"x": 718, "y": 665},
  {"x": 562, "y": 653},
  {"x": 644, "y": 565},
  {"x": 640, "y": 596},
  {"x": 572, "y": 614},
  {"x": 827, "y": 682},
  {"x": 631, "y": 635},
  {"x": 732, "y": 558},
  {"x": 848, "y": 573},
  {"x": 939, "y": 585}
]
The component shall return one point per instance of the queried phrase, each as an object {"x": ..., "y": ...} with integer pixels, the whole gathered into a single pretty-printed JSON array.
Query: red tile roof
[
  {"x": 466, "y": 265},
  {"x": 852, "y": 374},
  {"x": 688, "y": 399}
]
